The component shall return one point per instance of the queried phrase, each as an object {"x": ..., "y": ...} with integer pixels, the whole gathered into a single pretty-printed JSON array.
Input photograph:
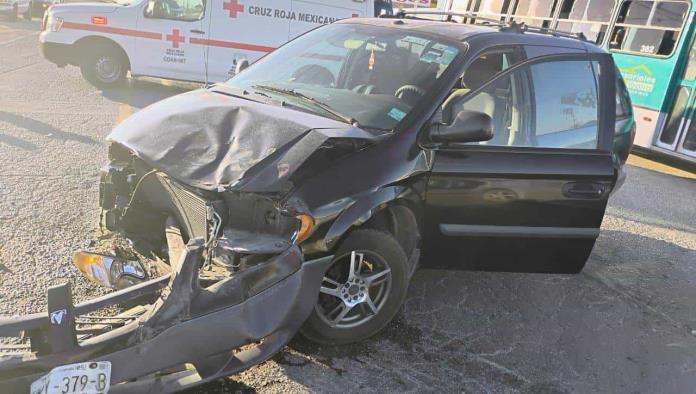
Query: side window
[
  {"x": 551, "y": 105},
  {"x": 648, "y": 27},
  {"x": 180, "y": 10},
  {"x": 623, "y": 100},
  {"x": 591, "y": 17},
  {"x": 566, "y": 107}
]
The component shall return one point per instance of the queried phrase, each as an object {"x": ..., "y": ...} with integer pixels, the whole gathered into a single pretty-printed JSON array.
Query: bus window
[
  {"x": 537, "y": 13},
  {"x": 590, "y": 17},
  {"x": 648, "y": 27},
  {"x": 494, "y": 9}
]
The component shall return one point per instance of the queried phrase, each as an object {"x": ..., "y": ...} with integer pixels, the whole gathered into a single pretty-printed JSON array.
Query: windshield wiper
[{"x": 325, "y": 107}]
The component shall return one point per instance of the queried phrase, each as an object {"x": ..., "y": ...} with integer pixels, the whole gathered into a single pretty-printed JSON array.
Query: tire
[
  {"x": 29, "y": 13},
  {"x": 380, "y": 250},
  {"x": 104, "y": 67}
]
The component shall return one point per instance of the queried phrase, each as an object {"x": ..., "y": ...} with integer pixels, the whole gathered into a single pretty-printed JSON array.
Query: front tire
[
  {"x": 104, "y": 68},
  {"x": 362, "y": 290}
]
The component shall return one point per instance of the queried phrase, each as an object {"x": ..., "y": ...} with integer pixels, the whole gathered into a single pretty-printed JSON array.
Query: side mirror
[
  {"x": 467, "y": 126},
  {"x": 241, "y": 66}
]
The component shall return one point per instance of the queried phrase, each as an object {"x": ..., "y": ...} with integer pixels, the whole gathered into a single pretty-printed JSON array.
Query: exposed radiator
[{"x": 192, "y": 211}]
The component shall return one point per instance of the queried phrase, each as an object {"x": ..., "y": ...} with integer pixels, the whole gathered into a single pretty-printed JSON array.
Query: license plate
[{"x": 82, "y": 378}]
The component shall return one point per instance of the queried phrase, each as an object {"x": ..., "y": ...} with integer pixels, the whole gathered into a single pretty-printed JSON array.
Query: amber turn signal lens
[
  {"x": 306, "y": 228},
  {"x": 95, "y": 267},
  {"x": 106, "y": 270}
]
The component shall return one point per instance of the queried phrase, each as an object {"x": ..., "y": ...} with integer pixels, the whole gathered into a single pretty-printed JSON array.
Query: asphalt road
[{"x": 627, "y": 324}]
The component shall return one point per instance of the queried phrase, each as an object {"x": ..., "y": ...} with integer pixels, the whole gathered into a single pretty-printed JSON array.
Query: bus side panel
[
  {"x": 647, "y": 122},
  {"x": 648, "y": 79}
]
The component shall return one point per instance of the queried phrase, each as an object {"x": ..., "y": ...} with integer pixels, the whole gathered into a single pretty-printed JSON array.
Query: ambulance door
[
  {"x": 170, "y": 44},
  {"x": 244, "y": 30},
  {"x": 313, "y": 13}
]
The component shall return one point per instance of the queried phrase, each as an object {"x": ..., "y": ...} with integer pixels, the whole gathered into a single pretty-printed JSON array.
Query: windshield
[{"x": 372, "y": 76}]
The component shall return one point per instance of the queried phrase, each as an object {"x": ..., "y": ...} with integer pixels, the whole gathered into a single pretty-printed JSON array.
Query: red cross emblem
[
  {"x": 233, "y": 7},
  {"x": 176, "y": 38}
]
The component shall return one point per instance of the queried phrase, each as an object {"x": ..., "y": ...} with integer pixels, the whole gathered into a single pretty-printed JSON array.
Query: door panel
[
  {"x": 678, "y": 132},
  {"x": 499, "y": 210},
  {"x": 175, "y": 56},
  {"x": 531, "y": 203}
]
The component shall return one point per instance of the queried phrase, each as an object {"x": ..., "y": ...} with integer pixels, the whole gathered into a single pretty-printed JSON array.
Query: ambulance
[{"x": 189, "y": 40}]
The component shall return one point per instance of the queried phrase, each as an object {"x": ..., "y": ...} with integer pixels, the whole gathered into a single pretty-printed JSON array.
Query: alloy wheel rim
[
  {"x": 354, "y": 290},
  {"x": 108, "y": 70}
]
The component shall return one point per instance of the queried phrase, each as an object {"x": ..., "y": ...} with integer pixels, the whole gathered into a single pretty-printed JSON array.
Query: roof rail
[
  {"x": 511, "y": 26},
  {"x": 522, "y": 27},
  {"x": 403, "y": 13}
]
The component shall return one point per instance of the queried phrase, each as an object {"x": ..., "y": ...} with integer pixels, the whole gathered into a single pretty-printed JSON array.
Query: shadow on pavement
[
  {"x": 16, "y": 142},
  {"x": 45, "y": 129},
  {"x": 139, "y": 93},
  {"x": 21, "y": 24},
  {"x": 628, "y": 313}
]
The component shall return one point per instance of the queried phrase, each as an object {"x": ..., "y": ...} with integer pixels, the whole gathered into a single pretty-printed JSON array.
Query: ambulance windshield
[{"x": 369, "y": 75}]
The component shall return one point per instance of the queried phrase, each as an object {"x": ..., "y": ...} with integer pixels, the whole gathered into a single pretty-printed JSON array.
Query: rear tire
[
  {"x": 104, "y": 67},
  {"x": 381, "y": 254}
]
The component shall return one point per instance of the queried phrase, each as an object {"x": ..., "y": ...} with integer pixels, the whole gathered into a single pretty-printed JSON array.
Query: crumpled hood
[{"x": 217, "y": 142}]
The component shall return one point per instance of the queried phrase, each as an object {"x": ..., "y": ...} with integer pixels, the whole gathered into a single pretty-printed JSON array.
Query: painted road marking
[
  {"x": 659, "y": 167},
  {"x": 124, "y": 111}
]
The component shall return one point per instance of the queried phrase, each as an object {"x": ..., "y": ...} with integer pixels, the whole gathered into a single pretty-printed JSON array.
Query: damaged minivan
[{"x": 301, "y": 194}]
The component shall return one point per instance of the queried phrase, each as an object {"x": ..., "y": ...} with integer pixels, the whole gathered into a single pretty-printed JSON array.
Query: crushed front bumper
[{"x": 189, "y": 336}]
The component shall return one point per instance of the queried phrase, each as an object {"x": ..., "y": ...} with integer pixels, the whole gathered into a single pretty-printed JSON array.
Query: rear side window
[{"x": 623, "y": 100}]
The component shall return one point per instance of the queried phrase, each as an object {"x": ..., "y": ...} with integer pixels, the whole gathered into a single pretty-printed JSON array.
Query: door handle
[
  {"x": 194, "y": 31},
  {"x": 589, "y": 190}
]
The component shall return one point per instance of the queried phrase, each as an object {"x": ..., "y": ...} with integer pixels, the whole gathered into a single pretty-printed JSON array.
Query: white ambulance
[{"x": 188, "y": 40}]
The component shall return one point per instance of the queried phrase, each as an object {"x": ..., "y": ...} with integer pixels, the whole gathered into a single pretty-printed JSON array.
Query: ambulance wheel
[
  {"x": 104, "y": 68},
  {"x": 28, "y": 15},
  {"x": 361, "y": 291}
]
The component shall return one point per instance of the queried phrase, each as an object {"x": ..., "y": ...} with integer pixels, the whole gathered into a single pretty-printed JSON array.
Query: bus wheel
[{"x": 104, "y": 68}]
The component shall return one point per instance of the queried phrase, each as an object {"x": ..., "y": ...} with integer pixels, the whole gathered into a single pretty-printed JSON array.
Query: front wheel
[
  {"x": 104, "y": 68},
  {"x": 362, "y": 290}
]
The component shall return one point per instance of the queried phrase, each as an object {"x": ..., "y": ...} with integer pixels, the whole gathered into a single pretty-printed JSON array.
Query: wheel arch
[
  {"x": 84, "y": 44},
  {"x": 397, "y": 210}
]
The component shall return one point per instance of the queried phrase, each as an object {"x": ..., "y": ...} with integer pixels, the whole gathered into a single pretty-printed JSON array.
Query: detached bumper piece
[{"x": 188, "y": 336}]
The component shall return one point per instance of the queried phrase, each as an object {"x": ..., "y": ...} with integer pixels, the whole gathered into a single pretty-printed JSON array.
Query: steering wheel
[
  {"x": 313, "y": 74},
  {"x": 365, "y": 89},
  {"x": 409, "y": 89}
]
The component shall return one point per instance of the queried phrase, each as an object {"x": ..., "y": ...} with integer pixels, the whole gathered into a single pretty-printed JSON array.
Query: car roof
[
  {"x": 455, "y": 31},
  {"x": 465, "y": 32}
]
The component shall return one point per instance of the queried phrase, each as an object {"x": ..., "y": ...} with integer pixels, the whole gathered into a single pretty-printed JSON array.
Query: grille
[{"x": 191, "y": 210}]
